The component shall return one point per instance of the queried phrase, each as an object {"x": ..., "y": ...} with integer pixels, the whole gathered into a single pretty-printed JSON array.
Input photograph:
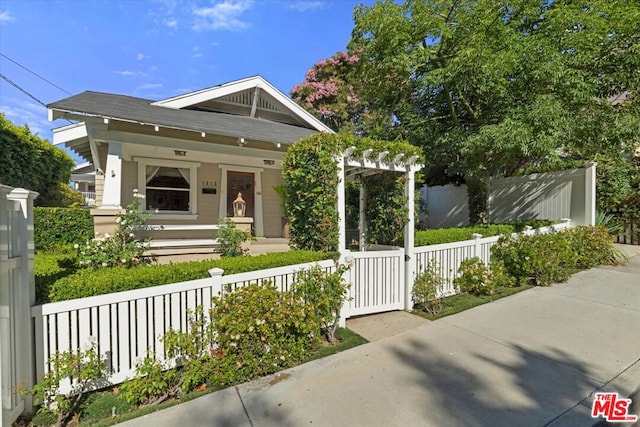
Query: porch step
[
  {"x": 178, "y": 243},
  {"x": 166, "y": 247}
]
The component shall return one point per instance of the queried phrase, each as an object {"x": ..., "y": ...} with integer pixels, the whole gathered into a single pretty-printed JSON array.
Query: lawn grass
[
  {"x": 96, "y": 410},
  {"x": 461, "y": 302}
]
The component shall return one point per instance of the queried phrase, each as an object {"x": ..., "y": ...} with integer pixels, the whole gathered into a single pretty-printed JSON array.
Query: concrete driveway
[{"x": 531, "y": 359}]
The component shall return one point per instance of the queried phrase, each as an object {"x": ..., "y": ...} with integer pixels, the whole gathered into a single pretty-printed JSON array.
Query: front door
[{"x": 240, "y": 182}]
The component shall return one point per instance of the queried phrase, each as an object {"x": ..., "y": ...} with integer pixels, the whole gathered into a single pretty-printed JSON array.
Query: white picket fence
[
  {"x": 126, "y": 326},
  {"x": 447, "y": 257}
]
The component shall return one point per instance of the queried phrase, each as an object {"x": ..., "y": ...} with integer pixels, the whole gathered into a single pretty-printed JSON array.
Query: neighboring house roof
[{"x": 250, "y": 108}]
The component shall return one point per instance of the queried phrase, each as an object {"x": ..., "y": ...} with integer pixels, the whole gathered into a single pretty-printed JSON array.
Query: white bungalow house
[{"x": 190, "y": 155}]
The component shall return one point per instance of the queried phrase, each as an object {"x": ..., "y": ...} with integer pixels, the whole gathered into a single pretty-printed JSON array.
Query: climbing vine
[{"x": 310, "y": 172}]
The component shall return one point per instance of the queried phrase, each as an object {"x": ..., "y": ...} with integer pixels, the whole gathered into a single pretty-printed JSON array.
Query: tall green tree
[
  {"x": 488, "y": 87},
  {"x": 31, "y": 162}
]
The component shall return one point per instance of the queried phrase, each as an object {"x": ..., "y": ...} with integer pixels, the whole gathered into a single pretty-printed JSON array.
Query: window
[{"x": 168, "y": 186}]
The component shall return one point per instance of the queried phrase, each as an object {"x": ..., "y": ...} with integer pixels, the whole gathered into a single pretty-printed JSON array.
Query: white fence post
[
  {"x": 6, "y": 404},
  {"x": 590, "y": 194},
  {"x": 17, "y": 295},
  {"x": 347, "y": 277},
  {"x": 476, "y": 245},
  {"x": 25, "y": 293},
  {"x": 409, "y": 240}
]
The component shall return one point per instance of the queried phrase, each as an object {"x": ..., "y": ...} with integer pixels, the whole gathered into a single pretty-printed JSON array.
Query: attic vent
[
  {"x": 266, "y": 105},
  {"x": 242, "y": 98},
  {"x": 246, "y": 99}
]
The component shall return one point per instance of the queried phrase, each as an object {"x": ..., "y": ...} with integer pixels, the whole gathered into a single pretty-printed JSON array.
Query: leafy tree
[
  {"x": 33, "y": 163},
  {"x": 491, "y": 86}
]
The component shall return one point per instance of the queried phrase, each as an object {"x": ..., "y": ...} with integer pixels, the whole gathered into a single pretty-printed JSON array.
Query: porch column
[
  {"x": 111, "y": 196},
  {"x": 409, "y": 239}
]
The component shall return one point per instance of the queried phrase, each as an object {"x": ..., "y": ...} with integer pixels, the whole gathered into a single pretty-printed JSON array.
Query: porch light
[{"x": 239, "y": 206}]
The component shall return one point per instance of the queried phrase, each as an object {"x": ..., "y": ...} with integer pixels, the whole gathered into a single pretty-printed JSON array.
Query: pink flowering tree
[{"x": 328, "y": 93}]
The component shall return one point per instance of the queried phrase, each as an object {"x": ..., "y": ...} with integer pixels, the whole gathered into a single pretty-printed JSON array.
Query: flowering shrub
[
  {"x": 474, "y": 277},
  {"x": 326, "y": 292},
  {"x": 427, "y": 292},
  {"x": 542, "y": 259},
  {"x": 261, "y": 330},
  {"x": 86, "y": 368},
  {"x": 121, "y": 247}
]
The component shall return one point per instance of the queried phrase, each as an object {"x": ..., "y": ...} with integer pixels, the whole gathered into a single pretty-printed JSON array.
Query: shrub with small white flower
[{"x": 120, "y": 248}]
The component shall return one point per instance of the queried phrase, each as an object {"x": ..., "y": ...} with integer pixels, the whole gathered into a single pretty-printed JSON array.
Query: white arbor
[{"x": 363, "y": 165}]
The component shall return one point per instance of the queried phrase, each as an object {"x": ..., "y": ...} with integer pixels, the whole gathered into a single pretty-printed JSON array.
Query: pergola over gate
[{"x": 383, "y": 285}]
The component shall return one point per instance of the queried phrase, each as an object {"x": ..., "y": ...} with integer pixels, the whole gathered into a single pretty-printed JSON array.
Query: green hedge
[
  {"x": 87, "y": 282},
  {"x": 458, "y": 234},
  {"x": 448, "y": 235},
  {"x": 48, "y": 268},
  {"x": 58, "y": 227}
]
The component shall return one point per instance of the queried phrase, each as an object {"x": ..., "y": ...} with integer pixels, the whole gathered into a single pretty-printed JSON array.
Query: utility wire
[
  {"x": 5, "y": 78},
  {"x": 21, "y": 90},
  {"x": 34, "y": 73}
]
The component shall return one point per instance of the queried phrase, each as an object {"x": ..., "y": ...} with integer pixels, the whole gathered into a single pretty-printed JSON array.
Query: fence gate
[
  {"x": 377, "y": 282},
  {"x": 17, "y": 293}
]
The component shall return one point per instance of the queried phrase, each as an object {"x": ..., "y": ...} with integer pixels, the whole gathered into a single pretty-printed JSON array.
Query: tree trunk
[{"x": 478, "y": 193}]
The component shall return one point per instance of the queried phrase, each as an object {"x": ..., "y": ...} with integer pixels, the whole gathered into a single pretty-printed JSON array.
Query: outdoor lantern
[{"x": 239, "y": 206}]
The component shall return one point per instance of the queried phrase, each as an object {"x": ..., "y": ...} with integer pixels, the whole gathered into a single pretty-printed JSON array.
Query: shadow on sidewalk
[{"x": 523, "y": 387}]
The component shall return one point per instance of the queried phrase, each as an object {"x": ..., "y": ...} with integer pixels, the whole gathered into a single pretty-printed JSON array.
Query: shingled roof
[{"x": 139, "y": 110}]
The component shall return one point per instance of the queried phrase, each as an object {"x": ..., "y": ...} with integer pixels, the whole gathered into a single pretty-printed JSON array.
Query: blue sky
[{"x": 158, "y": 49}]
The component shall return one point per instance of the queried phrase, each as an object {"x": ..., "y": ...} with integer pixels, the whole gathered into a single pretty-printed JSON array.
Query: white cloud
[
  {"x": 5, "y": 16},
  {"x": 197, "y": 52},
  {"x": 149, "y": 86},
  {"x": 129, "y": 73},
  {"x": 141, "y": 56},
  {"x": 305, "y": 6},
  {"x": 171, "y": 23},
  {"x": 223, "y": 15}
]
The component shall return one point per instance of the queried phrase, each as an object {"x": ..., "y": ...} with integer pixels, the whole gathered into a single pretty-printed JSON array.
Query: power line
[
  {"x": 21, "y": 90},
  {"x": 34, "y": 73}
]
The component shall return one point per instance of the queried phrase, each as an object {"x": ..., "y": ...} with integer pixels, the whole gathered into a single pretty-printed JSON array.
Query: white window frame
[{"x": 143, "y": 162}]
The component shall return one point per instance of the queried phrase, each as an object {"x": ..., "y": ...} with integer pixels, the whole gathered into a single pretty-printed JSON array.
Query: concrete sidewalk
[{"x": 531, "y": 359}]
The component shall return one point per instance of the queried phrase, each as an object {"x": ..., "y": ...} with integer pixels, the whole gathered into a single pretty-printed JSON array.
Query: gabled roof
[
  {"x": 253, "y": 97},
  {"x": 144, "y": 111}
]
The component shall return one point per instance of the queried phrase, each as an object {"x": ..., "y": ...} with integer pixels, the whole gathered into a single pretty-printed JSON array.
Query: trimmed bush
[
  {"x": 48, "y": 268},
  {"x": 56, "y": 228},
  {"x": 86, "y": 282},
  {"x": 448, "y": 235}
]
